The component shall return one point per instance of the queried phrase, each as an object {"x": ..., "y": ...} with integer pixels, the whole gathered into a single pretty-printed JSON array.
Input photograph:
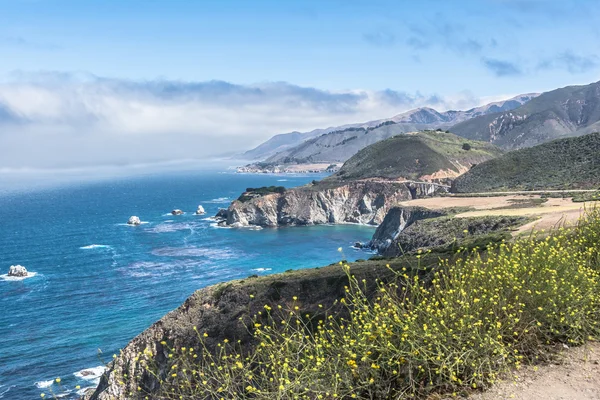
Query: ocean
[{"x": 99, "y": 282}]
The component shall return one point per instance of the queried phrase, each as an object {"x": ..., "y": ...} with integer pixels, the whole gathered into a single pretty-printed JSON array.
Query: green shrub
[{"x": 458, "y": 327}]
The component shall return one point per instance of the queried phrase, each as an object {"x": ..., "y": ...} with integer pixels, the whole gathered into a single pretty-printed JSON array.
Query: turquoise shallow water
[{"x": 100, "y": 282}]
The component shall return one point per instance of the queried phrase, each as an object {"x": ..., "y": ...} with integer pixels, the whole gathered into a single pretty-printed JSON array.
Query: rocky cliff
[
  {"x": 406, "y": 229},
  {"x": 396, "y": 221},
  {"x": 364, "y": 202},
  {"x": 224, "y": 311},
  {"x": 568, "y": 111}
]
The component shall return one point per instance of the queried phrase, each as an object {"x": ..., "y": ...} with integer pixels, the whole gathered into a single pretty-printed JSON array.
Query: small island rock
[
  {"x": 177, "y": 211},
  {"x": 17, "y": 271},
  {"x": 133, "y": 220},
  {"x": 200, "y": 211}
]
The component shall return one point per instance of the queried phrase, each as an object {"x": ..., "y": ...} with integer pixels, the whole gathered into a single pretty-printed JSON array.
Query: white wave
[
  {"x": 141, "y": 223},
  {"x": 282, "y": 180},
  {"x": 96, "y": 246},
  {"x": 219, "y": 200},
  {"x": 18, "y": 278},
  {"x": 44, "y": 384},
  {"x": 216, "y": 225},
  {"x": 65, "y": 393},
  {"x": 91, "y": 375},
  {"x": 3, "y": 391},
  {"x": 261, "y": 269}
]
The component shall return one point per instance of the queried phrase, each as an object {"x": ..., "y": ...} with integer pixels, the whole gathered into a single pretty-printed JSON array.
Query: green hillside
[
  {"x": 415, "y": 155},
  {"x": 571, "y": 163}
]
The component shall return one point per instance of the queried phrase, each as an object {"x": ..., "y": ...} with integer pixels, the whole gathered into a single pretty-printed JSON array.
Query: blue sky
[{"x": 395, "y": 54}]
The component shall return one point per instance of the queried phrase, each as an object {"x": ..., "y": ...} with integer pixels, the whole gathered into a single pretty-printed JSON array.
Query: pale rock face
[
  {"x": 177, "y": 212},
  {"x": 200, "y": 210},
  {"x": 17, "y": 271},
  {"x": 363, "y": 202},
  {"x": 133, "y": 220},
  {"x": 397, "y": 220}
]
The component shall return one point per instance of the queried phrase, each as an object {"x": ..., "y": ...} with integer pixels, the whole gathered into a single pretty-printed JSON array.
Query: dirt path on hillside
[
  {"x": 553, "y": 213},
  {"x": 478, "y": 203},
  {"x": 576, "y": 377}
]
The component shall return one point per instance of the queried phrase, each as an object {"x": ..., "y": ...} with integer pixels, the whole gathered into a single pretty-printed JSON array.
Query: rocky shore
[{"x": 361, "y": 202}]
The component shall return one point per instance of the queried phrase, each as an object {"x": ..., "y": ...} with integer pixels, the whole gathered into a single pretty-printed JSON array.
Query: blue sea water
[{"x": 99, "y": 282}]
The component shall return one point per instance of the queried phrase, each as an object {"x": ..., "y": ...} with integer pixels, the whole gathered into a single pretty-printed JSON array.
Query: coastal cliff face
[
  {"x": 224, "y": 311},
  {"x": 363, "y": 202},
  {"x": 406, "y": 229},
  {"x": 395, "y": 222}
]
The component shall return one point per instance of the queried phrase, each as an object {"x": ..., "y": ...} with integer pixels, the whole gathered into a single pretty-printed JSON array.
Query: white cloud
[{"x": 61, "y": 120}]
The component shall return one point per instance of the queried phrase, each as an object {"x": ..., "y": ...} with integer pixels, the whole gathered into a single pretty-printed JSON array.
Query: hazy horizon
[{"x": 123, "y": 84}]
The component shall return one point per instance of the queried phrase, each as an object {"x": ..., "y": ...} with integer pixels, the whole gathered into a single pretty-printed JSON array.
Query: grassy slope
[
  {"x": 414, "y": 155},
  {"x": 570, "y": 163}
]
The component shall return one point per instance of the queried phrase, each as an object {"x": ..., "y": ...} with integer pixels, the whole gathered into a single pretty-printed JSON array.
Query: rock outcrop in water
[
  {"x": 363, "y": 202},
  {"x": 133, "y": 220},
  {"x": 200, "y": 211},
  {"x": 396, "y": 220},
  {"x": 17, "y": 271},
  {"x": 177, "y": 212}
]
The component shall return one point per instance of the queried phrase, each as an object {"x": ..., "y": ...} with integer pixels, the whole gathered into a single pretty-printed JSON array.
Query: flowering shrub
[{"x": 456, "y": 328}]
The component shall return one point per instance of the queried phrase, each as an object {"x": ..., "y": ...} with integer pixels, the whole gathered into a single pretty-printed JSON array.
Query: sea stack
[
  {"x": 133, "y": 220},
  {"x": 177, "y": 211},
  {"x": 17, "y": 271},
  {"x": 200, "y": 211}
]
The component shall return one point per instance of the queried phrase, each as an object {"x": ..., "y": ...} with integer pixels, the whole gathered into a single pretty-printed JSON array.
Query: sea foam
[
  {"x": 44, "y": 384},
  {"x": 91, "y": 374},
  {"x": 261, "y": 269},
  {"x": 95, "y": 246},
  {"x": 17, "y": 278}
]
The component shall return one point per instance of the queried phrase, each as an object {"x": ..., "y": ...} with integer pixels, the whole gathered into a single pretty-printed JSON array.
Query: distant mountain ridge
[
  {"x": 568, "y": 111},
  {"x": 414, "y": 120}
]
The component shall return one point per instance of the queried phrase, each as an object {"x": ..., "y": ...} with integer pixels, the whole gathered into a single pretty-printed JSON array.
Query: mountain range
[
  {"x": 294, "y": 145},
  {"x": 568, "y": 111}
]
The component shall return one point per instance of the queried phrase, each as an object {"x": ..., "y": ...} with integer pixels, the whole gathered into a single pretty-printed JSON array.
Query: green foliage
[
  {"x": 572, "y": 163},
  {"x": 251, "y": 193},
  {"x": 586, "y": 196},
  {"x": 466, "y": 146},
  {"x": 422, "y": 332},
  {"x": 411, "y": 156},
  {"x": 450, "y": 231}
]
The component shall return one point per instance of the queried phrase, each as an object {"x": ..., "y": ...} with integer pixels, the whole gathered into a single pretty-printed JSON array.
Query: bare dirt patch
[
  {"x": 553, "y": 213},
  {"x": 575, "y": 376},
  {"x": 478, "y": 203}
]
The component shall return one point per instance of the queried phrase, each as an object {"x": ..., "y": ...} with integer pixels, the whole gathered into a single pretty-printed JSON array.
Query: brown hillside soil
[
  {"x": 575, "y": 376},
  {"x": 553, "y": 213}
]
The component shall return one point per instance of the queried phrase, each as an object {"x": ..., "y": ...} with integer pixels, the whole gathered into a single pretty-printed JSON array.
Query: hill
[
  {"x": 418, "y": 119},
  {"x": 427, "y": 155},
  {"x": 569, "y": 111},
  {"x": 338, "y": 146},
  {"x": 571, "y": 163}
]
